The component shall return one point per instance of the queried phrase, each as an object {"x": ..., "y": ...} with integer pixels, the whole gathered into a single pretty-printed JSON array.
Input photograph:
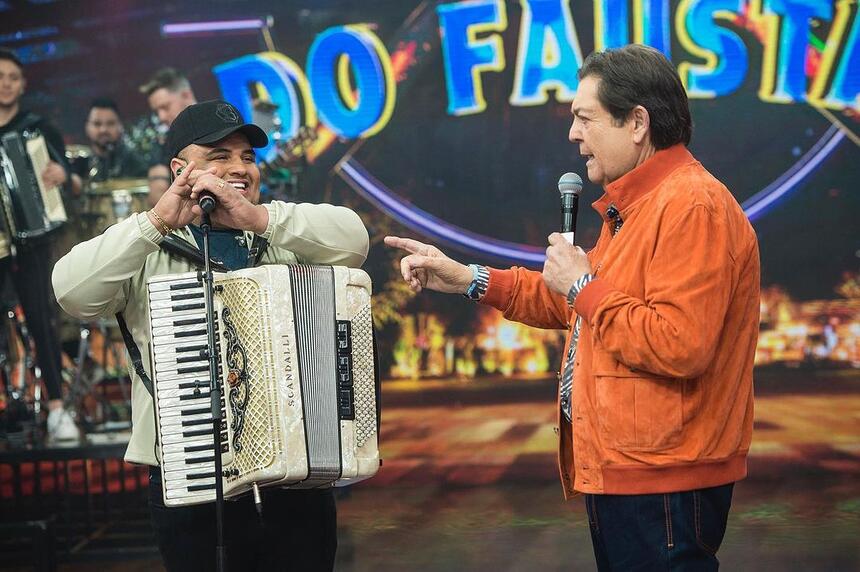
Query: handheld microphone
[
  {"x": 206, "y": 201},
  {"x": 569, "y": 185}
]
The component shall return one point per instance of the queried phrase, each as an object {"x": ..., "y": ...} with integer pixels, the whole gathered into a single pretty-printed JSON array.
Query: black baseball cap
[{"x": 209, "y": 122}]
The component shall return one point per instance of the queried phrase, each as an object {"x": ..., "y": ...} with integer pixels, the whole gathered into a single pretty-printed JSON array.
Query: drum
[{"x": 113, "y": 201}]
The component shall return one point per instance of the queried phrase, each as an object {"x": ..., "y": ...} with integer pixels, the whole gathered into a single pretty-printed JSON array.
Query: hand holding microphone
[
  {"x": 209, "y": 190},
  {"x": 228, "y": 207},
  {"x": 206, "y": 200},
  {"x": 175, "y": 207},
  {"x": 193, "y": 189},
  {"x": 569, "y": 185},
  {"x": 565, "y": 263}
]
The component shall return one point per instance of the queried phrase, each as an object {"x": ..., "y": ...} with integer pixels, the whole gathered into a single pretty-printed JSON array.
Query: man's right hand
[
  {"x": 175, "y": 205},
  {"x": 427, "y": 267}
]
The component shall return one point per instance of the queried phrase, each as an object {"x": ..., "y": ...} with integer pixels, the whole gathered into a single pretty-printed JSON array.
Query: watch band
[
  {"x": 577, "y": 287},
  {"x": 480, "y": 281}
]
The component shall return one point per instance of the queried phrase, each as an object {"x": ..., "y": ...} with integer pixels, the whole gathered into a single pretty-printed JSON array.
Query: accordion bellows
[{"x": 296, "y": 365}]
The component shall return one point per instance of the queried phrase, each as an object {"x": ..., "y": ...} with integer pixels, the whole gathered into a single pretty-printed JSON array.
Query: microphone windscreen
[
  {"x": 570, "y": 183},
  {"x": 206, "y": 202}
]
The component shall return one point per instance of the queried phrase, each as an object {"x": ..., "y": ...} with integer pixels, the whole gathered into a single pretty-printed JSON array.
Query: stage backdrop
[{"x": 448, "y": 122}]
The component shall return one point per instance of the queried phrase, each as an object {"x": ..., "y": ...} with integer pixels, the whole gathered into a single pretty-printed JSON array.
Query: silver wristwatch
[
  {"x": 577, "y": 288},
  {"x": 479, "y": 284}
]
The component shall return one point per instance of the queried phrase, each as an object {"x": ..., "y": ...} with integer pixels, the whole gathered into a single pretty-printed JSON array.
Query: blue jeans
[{"x": 673, "y": 532}]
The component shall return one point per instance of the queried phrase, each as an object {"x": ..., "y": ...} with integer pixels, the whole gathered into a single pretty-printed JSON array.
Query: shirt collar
[{"x": 637, "y": 183}]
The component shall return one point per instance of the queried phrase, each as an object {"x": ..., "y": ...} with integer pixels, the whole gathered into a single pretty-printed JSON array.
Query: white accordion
[{"x": 296, "y": 363}]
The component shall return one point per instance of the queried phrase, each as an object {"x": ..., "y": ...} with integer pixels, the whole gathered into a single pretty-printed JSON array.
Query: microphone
[
  {"x": 569, "y": 185},
  {"x": 206, "y": 201}
]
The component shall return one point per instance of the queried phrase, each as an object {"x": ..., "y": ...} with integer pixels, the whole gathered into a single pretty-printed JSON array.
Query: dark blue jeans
[{"x": 672, "y": 532}]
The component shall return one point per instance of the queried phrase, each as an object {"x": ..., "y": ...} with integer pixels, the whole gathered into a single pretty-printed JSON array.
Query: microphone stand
[{"x": 214, "y": 393}]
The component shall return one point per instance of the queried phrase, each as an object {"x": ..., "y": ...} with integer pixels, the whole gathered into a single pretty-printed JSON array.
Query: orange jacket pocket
[{"x": 637, "y": 411}]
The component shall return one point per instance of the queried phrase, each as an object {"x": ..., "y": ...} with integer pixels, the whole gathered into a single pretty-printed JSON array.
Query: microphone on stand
[
  {"x": 206, "y": 201},
  {"x": 569, "y": 185}
]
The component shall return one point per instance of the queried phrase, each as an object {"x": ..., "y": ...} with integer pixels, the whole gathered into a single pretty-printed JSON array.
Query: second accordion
[
  {"x": 299, "y": 383},
  {"x": 28, "y": 209}
]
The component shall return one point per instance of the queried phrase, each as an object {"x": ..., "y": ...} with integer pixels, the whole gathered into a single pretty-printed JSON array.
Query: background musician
[
  {"x": 30, "y": 269},
  {"x": 212, "y": 149},
  {"x": 167, "y": 93},
  {"x": 111, "y": 158}
]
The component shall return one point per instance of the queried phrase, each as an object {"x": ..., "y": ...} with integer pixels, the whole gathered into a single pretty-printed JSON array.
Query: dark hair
[
  {"x": 641, "y": 75},
  {"x": 165, "y": 78},
  {"x": 10, "y": 56},
  {"x": 104, "y": 103}
]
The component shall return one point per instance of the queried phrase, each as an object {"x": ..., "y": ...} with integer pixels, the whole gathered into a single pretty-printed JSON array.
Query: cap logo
[{"x": 227, "y": 113}]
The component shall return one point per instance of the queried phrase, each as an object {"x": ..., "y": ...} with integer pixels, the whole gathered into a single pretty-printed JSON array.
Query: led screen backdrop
[{"x": 448, "y": 122}]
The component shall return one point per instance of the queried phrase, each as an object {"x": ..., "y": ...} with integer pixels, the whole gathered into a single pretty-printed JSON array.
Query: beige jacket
[{"x": 108, "y": 274}]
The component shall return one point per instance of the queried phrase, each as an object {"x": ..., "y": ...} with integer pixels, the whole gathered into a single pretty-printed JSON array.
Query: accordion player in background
[
  {"x": 30, "y": 269},
  {"x": 211, "y": 149}
]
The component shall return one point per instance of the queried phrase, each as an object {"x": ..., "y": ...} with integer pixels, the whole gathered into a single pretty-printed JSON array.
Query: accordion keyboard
[{"x": 178, "y": 319}]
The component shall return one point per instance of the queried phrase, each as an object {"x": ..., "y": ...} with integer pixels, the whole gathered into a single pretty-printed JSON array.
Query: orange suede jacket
[{"x": 662, "y": 393}]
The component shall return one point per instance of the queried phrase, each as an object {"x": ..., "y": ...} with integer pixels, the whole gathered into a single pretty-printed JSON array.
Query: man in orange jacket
[{"x": 656, "y": 400}]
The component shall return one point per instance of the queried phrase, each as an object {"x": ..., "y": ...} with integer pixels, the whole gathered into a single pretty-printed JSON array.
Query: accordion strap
[
  {"x": 257, "y": 250},
  {"x": 29, "y": 120},
  {"x": 182, "y": 249},
  {"x": 137, "y": 361},
  {"x": 134, "y": 353}
]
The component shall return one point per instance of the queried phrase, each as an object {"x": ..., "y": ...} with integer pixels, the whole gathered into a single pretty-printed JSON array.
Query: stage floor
[{"x": 472, "y": 485}]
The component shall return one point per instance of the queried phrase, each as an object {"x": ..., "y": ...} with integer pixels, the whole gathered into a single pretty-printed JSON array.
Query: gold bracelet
[{"x": 165, "y": 230}]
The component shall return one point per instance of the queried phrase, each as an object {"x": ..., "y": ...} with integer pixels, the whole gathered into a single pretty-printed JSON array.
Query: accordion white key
[{"x": 296, "y": 364}]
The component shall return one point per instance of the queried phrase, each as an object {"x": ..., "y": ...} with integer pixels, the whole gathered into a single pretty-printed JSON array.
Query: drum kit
[
  {"x": 103, "y": 203},
  {"x": 112, "y": 201}
]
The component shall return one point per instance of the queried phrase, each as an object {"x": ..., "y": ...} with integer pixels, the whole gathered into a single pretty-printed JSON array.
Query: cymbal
[
  {"x": 74, "y": 150},
  {"x": 133, "y": 186}
]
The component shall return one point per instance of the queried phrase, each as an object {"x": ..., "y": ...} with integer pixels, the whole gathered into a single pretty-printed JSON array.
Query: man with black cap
[{"x": 212, "y": 150}]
